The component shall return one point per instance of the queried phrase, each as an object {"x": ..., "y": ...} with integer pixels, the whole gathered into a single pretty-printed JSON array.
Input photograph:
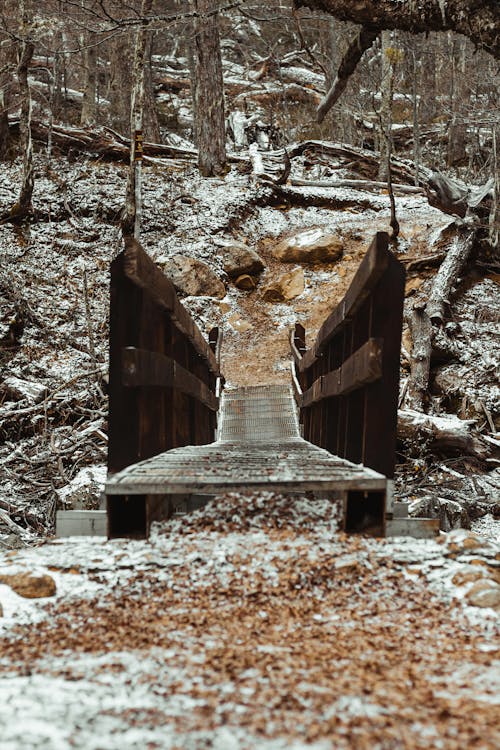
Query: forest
[{"x": 253, "y": 150}]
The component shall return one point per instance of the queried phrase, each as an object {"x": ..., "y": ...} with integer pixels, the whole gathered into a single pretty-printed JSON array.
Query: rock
[
  {"x": 239, "y": 259},
  {"x": 15, "y": 389},
  {"x": 84, "y": 490},
  {"x": 285, "y": 287},
  {"x": 224, "y": 307},
  {"x": 347, "y": 562},
  {"x": 30, "y": 586},
  {"x": 484, "y": 593},
  {"x": 450, "y": 513},
  {"x": 239, "y": 324},
  {"x": 312, "y": 245},
  {"x": 193, "y": 277},
  {"x": 245, "y": 282}
]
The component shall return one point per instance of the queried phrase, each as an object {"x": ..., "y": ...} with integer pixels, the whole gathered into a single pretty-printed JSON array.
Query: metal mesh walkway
[{"x": 258, "y": 447}]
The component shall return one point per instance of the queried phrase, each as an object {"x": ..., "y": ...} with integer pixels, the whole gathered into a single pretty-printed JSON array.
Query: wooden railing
[
  {"x": 163, "y": 375},
  {"x": 346, "y": 383}
]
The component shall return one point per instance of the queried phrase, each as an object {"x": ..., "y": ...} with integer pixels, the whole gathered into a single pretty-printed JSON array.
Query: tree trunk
[
  {"x": 151, "y": 125},
  {"x": 26, "y": 47},
  {"x": 494, "y": 217},
  {"x": 5, "y": 79},
  {"x": 415, "y": 111},
  {"x": 89, "y": 102},
  {"x": 420, "y": 357},
  {"x": 385, "y": 113},
  {"x": 120, "y": 82},
  {"x": 210, "y": 125},
  {"x": 131, "y": 217}
]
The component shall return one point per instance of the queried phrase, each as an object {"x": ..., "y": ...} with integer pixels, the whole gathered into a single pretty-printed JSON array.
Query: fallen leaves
[{"x": 253, "y": 622}]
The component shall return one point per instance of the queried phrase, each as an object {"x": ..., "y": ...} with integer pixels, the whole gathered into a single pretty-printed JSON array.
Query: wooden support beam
[
  {"x": 141, "y": 368},
  {"x": 362, "y": 367},
  {"x": 142, "y": 271}
]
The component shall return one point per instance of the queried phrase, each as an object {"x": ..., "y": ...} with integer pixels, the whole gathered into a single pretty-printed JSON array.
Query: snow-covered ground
[{"x": 251, "y": 623}]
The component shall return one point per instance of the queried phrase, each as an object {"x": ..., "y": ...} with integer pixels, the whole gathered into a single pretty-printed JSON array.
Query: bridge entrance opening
[
  {"x": 365, "y": 512},
  {"x": 127, "y": 516}
]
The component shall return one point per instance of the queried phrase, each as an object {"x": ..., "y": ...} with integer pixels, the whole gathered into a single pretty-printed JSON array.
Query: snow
[{"x": 171, "y": 693}]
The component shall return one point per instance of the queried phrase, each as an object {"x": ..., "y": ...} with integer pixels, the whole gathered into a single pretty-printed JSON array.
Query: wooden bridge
[{"x": 175, "y": 432}]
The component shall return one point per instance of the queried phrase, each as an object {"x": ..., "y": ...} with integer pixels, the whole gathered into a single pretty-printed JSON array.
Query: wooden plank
[
  {"x": 296, "y": 355},
  {"x": 143, "y": 272},
  {"x": 143, "y": 368},
  {"x": 362, "y": 367},
  {"x": 297, "y": 390},
  {"x": 367, "y": 276},
  {"x": 419, "y": 528}
]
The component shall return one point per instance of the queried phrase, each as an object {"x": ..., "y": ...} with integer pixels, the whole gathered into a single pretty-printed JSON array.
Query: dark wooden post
[{"x": 124, "y": 330}]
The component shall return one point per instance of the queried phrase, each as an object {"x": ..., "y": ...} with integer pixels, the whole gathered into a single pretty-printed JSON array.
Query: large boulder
[
  {"x": 238, "y": 259},
  {"x": 312, "y": 245},
  {"x": 193, "y": 278},
  {"x": 285, "y": 287}
]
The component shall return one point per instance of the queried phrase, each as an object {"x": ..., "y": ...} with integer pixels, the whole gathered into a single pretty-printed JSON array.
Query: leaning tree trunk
[
  {"x": 210, "y": 125},
  {"x": 131, "y": 217}
]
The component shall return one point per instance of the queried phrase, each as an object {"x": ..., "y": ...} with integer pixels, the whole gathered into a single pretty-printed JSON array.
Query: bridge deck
[{"x": 258, "y": 447}]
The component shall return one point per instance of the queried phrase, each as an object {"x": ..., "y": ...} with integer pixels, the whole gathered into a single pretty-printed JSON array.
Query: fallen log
[
  {"x": 319, "y": 198},
  {"x": 420, "y": 357},
  {"x": 371, "y": 185},
  {"x": 101, "y": 142},
  {"x": 364, "y": 162},
  {"x": 445, "y": 279},
  {"x": 447, "y": 434}
]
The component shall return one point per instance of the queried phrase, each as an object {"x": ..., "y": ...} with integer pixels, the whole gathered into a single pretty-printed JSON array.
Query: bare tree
[
  {"x": 209, "y": 91},
  {"x": 25, "y": 48}
]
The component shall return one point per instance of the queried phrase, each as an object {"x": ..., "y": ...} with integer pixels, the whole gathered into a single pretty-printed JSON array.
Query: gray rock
[
  {"x": 285, "y": 287},
  {"x": 239, "y": 259},
  {"x": 450, "y": 513},
  {"x": 193, "y": 278},
  {"x": 309, "y": 245}
]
